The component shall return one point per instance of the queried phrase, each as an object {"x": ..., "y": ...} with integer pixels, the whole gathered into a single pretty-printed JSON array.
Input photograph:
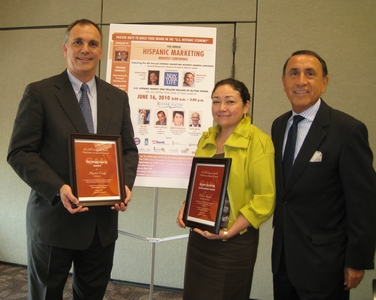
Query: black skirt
[{"x": 217, "y": 270}]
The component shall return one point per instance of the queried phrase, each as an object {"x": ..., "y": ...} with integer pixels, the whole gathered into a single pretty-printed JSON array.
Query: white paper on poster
[{"x": 166, "y": 70}]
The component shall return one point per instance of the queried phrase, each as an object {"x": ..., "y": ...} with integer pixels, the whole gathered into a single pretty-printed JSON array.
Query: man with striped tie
[{"x": 60, "y": 231}]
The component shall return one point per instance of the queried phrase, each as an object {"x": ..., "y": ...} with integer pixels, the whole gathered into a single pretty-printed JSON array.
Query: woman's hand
[
  {"x": 209, "y": 235},
  {"x": 240, "y": 224}
]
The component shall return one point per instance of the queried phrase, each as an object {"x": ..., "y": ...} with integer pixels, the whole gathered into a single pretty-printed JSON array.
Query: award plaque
[
  {"x": 206, "y": 193},
  {"x": 96, "y": 169}
]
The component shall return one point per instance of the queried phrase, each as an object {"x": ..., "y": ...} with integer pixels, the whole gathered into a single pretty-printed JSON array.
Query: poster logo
[{"x": 171, "y": 79}]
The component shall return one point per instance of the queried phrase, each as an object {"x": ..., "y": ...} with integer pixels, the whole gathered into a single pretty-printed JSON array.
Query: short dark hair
[
  {"x": 187, "y": 73},
  {"x": 237, "y": 86},
  {"x": 311, "y": 53},
  {"x": 177, "y": 112},
  {"x": 81, "y": 22}
]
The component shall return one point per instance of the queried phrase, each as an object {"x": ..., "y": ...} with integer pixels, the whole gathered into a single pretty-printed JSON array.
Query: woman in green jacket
[{"x": 221, "y": 266}]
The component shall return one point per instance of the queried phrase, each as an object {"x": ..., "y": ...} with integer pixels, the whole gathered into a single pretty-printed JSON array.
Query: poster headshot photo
[
  {"x": 144, "y": 116},
  {"x": 153, "y": 77},
  {"x": 177, "y": 118},
  {"x": 117, "y": 55},
  {"x": 161, "y": 118},
  {"x": 195, "y": 118},
  {"x": 121, "y": 55},
  {"x": 189, "y": 79}
]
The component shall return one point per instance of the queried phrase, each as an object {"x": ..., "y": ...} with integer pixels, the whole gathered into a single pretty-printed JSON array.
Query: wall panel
[
  {"x": 245, "y": 54},
  {"x": 26, "y": 56},
  {"x": 167, "y": 11},
  {"x": 21, "y": 13}
]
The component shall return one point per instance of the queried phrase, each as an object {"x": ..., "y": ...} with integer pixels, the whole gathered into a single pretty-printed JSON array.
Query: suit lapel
[
  {"x": 278, "y": 136},
  {"x": 104, "y": 107},
  {"x": 68, "y": 101}
]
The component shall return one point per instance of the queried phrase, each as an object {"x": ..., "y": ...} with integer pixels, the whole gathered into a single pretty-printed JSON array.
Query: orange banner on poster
[{"x": 158, "y": 38}]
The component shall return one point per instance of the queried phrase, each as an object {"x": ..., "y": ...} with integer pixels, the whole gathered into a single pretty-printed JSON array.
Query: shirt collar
[
  {"x": 309, "y": 113},
  {"x": 76, "y": 83}
]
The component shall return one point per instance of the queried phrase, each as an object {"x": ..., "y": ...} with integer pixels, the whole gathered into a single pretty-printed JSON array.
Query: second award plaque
[
  {"x": 96, "y": 169},
  {"x": 206, "y": 193}
]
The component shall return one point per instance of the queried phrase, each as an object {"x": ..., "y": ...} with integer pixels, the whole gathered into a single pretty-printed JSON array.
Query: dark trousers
[
  {"x": 284, "y": 290},
  {"x": 48, "y": 269}
]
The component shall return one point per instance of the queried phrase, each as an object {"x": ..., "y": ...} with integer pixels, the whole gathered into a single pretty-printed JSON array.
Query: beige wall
[{"x": 267, "y": 32}]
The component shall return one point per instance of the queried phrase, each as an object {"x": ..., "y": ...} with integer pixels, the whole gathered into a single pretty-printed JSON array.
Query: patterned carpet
[{"x": 13, "y": 286}]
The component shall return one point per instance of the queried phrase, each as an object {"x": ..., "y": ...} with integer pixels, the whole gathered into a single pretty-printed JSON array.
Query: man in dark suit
[
  {"x": 59, "y": 230},
  {"x": 324, "y": 221}
]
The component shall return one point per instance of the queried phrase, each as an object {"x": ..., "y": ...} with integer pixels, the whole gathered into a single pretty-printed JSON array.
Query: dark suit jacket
[
  {"x": 38, "y": 152},
  {"x": 325, "y": 216}
]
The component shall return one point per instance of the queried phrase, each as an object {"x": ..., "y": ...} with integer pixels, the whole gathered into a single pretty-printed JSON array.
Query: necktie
[
  {"x": 288, "y": 157},
  {"x": 86, "y": 108}
]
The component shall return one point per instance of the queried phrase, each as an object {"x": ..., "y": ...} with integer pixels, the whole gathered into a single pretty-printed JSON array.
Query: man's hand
[
  {"x": 179, "y": 219},
  {"x": 123, "y": 206},
  {"x": 352, "y": 278},
  {"x": 69, "y": 200}
]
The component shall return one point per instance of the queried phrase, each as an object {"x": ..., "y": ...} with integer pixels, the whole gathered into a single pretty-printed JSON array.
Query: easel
[{"x": 154, "y": 240}]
